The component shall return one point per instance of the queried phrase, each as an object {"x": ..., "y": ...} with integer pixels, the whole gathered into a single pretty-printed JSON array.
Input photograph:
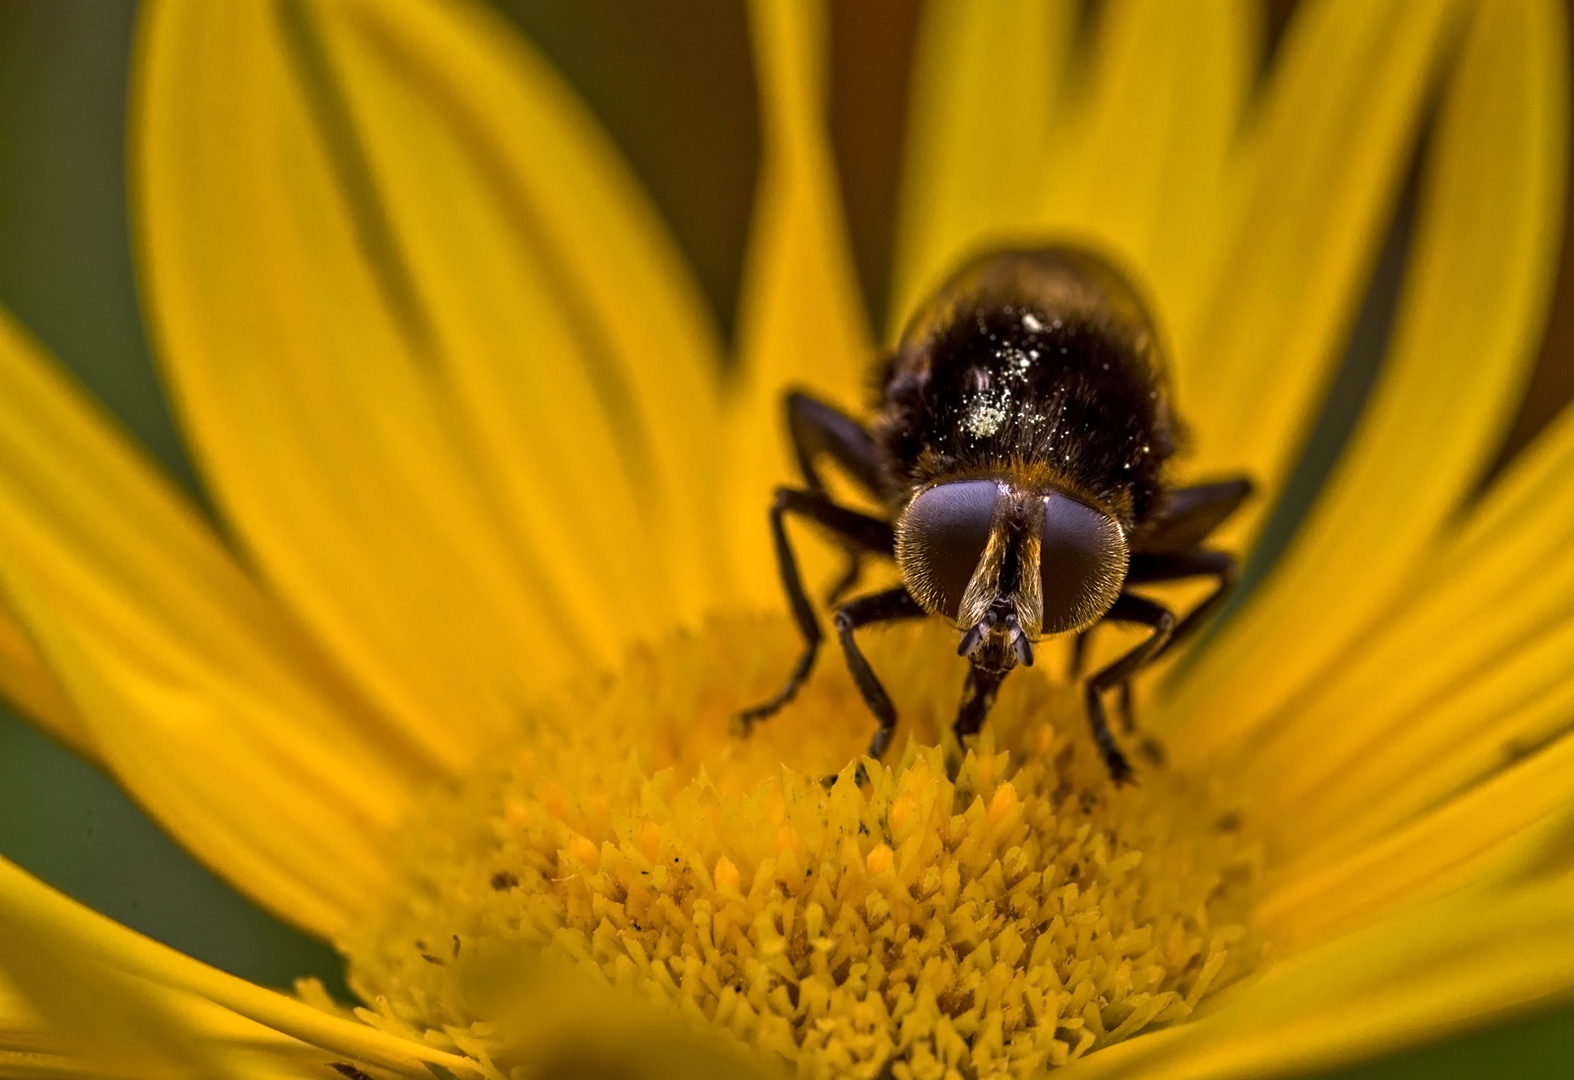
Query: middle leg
[
  {"x": 870, "y": 534},
  {"x": 978, "y": 696},
  {"x": 1128, "y": 608},
  {"x": 1178, "y": 565},
  {"x": 1148, "y": 568},
  {"x": 819, "y": 430}
]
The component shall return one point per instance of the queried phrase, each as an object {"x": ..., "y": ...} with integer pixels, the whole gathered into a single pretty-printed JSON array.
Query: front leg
[
  {"x": 978, "y": 696},
  {"x": 1185, "y": 516},
  {"x": 1132, "y": 609},
  {"x": 818, "y": 430},
  {"x": 859, "y": 531},
  {"x": 1175, "y": 566},
  {"x": 888, "y": 606}
]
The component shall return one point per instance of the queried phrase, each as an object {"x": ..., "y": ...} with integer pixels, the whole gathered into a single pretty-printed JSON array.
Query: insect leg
[
  {"x": 978, "y": 696},
  {"x": 1133, "y": 609},
  {"x": 1172, "y": 566},
  {"x": 1079, "y": 651},
  {"x": 855, "y": 529},
  {"x": 1185, "y": 516},
  {"x": 848, "y": 581},
  {"x": 1128, "y": 711},
  {"x": 817, "y": 430},
  {"x": 888, "y": 606},
  {"x": 1128, "y": 714},
  {"x": 1162, "y": 566}
]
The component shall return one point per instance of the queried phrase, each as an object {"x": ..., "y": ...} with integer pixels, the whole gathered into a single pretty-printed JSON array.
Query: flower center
[{"x": 991, "y": 912}]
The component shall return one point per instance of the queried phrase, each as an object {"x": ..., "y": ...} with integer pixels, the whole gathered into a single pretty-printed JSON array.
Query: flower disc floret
[{"x": 980, "y": 911}]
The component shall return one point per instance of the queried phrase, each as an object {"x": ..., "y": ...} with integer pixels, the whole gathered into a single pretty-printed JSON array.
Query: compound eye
[
  {"x": 1082, "y": 563},
  {"x": 941, "y": 538}
]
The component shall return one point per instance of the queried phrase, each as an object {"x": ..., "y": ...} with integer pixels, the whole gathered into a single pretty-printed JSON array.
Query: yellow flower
[{"x": 451, "y": 690}]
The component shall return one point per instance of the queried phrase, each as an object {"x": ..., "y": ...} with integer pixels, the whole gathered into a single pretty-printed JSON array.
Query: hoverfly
[{"x": 1019, "y": 448}]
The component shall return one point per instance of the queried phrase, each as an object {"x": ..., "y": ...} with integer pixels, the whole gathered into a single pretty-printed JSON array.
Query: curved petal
[
  {"x": 78, "y": 965},
  {"x": 1126, "y": 150},
  {"x": 1469, "y": 748},
  {"x": 30, "y": 1049},
  {"x": 1323, "y": 160},
  {"x": 120, "y": 1029},
  {"x": 196, "y": 691},
  {"x": 986, "y": 86},
  {"x": 68, "y": 961},
  {"x": 27, "y": 683},
  {"x": 69, "y": 1013},
  {"x": 1477, "y": 835},
  {"x": 579, "y": 340},
  {"x": 1425, "y": 973},
  {"x": 1483, "y": 649},
  {"x": 446, "y": 373},
  {"x": 1467, "y": 329},
  {"x": 1143, "y": 168},
  {"x": 800, "y": 321}
]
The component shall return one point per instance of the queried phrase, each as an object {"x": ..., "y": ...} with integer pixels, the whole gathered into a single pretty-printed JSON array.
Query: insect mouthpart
[
  {"x": 1002, "y": 609},
  {"x": 1000, "y": 620}
]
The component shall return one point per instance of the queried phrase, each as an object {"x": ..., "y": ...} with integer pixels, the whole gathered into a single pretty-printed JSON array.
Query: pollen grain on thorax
[{"x": 982, "y": 915}]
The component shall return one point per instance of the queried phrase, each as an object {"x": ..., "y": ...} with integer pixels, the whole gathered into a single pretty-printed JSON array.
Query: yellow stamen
[{"x": 992, "y": 909}]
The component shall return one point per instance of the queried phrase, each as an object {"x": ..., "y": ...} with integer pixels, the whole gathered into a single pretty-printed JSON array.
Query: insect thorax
[{"x": 1012, "y": 390}]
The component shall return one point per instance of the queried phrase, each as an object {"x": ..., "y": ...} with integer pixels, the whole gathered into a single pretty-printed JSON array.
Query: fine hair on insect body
[{"x": 1019, "y": 448}]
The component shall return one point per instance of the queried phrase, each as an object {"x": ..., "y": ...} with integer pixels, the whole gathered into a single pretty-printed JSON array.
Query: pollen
[
  {"x": 982, "y": 910},
  {"x": 985, "y": 414}
]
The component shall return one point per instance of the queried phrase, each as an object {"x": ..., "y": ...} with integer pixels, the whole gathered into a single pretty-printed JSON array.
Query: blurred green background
[{"x": 674, "y": 86}]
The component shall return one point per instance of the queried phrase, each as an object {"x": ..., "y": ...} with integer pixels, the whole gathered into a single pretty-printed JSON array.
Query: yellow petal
[
  {"x": 27, "y": 683},
  {"x": 196, "y": 691},
  {"x": 577, "y": 336},
  {"x": 44, "y": 936},
  {"x": 985, "y": 86},
  {"x": 1322, "y": 164},
  {"x": 27, "y": 1051},
  {"x": 1141, "y": 168},
  {"x": 1463, "y": 733},
  {"x": 1483, "y": 833},
  {"x": 1468, "y": 748},
  {"x": 800, "y": 321},
  {"x": 107, "y": 1023},
  {"x": 1127, "y": 151},
  {"x": 75, "y": 1014},
  {"x": 1466, "y": 331},
  {"x": 88, "y": 1039},
  {"x": 447, "y": 376},
  {"x": 111, "y": 993},
  {"x": 1425, "y": 974},
  {"x": 1455, "y": 685}
]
